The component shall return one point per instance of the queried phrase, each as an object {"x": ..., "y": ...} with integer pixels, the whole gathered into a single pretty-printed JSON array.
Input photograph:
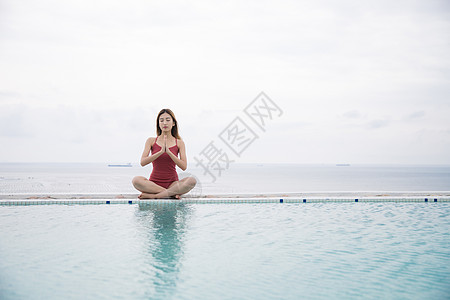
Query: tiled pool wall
[{"x": 24, "y": 202}]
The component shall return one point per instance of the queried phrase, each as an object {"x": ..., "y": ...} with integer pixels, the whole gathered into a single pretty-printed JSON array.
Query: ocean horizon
[{"x": 239, "y": 178}]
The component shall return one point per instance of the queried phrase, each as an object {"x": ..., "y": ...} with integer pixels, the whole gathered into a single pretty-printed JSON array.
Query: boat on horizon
[{"x": 121, "y": 165}]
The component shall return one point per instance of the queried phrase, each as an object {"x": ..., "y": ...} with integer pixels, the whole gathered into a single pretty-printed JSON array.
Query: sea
[{"x": 236, "y": 179}]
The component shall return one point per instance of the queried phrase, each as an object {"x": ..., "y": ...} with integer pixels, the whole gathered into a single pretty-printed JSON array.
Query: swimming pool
[{"x": 226, "y": 251}]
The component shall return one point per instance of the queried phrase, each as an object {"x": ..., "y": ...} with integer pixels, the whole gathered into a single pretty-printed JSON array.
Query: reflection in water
[{"x": 165, "y": 227}]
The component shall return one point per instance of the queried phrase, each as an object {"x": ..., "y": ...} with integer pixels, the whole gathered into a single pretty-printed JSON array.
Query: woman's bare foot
[
  {"x": 154, "y": 196},
  {"x": 147, "y": 196}
]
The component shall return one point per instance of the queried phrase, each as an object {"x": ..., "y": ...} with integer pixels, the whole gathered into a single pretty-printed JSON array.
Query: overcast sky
[{"x": 357, "y": 81}]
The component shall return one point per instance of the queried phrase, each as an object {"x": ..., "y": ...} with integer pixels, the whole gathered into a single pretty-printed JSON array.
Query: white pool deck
[{"x": 7, "y": 199}]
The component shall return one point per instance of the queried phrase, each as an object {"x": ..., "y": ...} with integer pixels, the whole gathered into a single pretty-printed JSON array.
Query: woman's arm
[
  {"x": 145, "y": 159},
  {"x": 182, "y": 161}
]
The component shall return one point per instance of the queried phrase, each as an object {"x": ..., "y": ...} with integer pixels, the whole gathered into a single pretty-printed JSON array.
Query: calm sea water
[
  {"x": 226, "y": 251},
  {"x": 237, "y": 179}
]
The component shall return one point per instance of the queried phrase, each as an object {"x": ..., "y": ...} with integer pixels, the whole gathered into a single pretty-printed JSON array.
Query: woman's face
[{"x": 165, "y": 122}]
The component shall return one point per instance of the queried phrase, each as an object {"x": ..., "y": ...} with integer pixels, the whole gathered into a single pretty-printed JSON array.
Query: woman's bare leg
[
  {"x": 146, "y": 186},
  {"x": 177, "y": 188},
  {"x": 147, "y": 196}
]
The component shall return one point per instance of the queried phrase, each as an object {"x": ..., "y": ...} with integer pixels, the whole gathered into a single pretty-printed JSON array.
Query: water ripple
[{"x": 245, "y": 251}]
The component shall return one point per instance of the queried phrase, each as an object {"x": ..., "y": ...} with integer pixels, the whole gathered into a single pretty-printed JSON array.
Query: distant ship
[
  {"x": 123, "y": 165},
  {"x": 342, "y": 165}
]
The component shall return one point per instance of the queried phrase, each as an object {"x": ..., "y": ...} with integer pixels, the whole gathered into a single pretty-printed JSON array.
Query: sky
[{"x": 360, "y": 82}]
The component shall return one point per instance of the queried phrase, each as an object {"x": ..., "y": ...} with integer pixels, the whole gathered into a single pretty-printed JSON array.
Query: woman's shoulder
[
  {"x": 180, "y": 141},
  {"x": 151, "y": 140}
]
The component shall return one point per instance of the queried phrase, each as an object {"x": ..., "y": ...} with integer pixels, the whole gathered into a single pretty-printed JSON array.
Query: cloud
[
  {"x": 9, "y": 95},
  {"x": 352, "y": 114},
  {"x": 377, "y": 124},
  {"x": 415, "y": 115},
  {"x": 72, "y": 122},
  {"x": 356, "y": 119},
  {"x": 15, "y": 121}
]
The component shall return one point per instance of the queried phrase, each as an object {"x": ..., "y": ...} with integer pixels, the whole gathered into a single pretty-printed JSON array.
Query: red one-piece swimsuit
[{"x": 164, "y": 173}]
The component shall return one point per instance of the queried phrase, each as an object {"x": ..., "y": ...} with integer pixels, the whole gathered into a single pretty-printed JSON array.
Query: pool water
[{"x": 226, "y": 251}]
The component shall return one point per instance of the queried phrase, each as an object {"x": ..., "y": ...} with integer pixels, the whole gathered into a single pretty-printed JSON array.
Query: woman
[{"x": 163, "y": 182}]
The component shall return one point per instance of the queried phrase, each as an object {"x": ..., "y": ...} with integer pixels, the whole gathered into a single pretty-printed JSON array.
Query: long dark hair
[{"x": 174, "y": 130}]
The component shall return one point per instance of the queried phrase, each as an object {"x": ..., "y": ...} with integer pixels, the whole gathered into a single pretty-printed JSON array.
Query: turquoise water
[{"x": 226, "y": 251}]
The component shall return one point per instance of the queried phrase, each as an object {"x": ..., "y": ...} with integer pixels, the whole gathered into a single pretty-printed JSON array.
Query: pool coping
[
  {"x": 128, "y": 195},
  {"x": 307, "y": 197}
]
